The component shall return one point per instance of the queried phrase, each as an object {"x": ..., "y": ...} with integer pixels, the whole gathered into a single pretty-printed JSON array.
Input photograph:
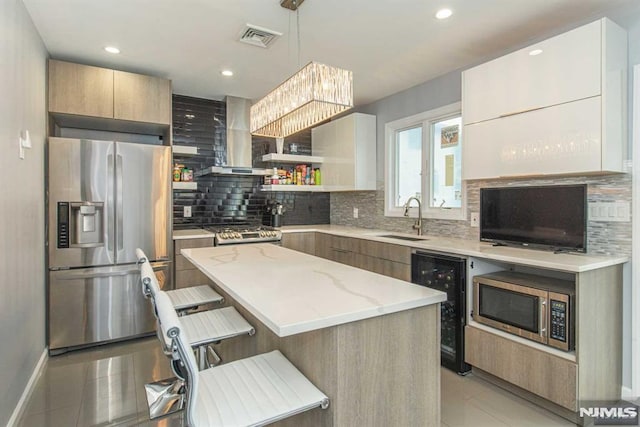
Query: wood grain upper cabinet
[
  {"x": 83, "y": 90},
  {"x": 348, "y": 146},
  {"x": 561, "y": 111},
  {"x": 141, "y": 98},
  {"x": 80, "y": 89}
]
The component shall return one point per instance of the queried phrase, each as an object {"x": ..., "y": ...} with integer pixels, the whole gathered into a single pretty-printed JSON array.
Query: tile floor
[{"x": 104, "y": 387}]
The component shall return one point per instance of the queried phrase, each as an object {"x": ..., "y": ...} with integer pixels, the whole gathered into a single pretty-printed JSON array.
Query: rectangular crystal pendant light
[{"x": 314, "y": 94}]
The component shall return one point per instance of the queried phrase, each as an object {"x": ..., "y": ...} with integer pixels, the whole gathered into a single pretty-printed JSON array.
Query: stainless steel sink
[{"x": 409, "y": 238}]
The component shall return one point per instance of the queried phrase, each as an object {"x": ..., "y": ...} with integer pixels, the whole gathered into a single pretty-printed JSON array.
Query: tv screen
[{"x": 552, "y": 217}]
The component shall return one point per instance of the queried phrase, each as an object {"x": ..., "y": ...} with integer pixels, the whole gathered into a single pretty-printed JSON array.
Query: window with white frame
[{"x": 423, "y": 159}]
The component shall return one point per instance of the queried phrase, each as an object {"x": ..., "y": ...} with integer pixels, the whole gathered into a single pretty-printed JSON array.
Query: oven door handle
[{"x": 543, "y": 319}]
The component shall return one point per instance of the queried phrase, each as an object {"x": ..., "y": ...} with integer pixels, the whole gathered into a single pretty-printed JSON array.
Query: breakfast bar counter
[{"x": 370, "y": 342}]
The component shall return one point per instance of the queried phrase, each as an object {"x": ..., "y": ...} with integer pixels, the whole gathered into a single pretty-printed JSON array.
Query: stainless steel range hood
[{"x": 239, "y": 157}]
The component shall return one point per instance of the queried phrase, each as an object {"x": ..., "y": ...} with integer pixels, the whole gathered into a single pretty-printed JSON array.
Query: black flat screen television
[{"x": 550, "y": 217}]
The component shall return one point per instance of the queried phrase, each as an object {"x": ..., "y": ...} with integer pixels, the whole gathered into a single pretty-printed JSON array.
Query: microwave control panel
[{"x": 559, "y": 320}]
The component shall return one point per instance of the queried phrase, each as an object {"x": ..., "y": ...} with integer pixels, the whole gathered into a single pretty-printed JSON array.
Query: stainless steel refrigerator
[{"x": 105, "y": 199}]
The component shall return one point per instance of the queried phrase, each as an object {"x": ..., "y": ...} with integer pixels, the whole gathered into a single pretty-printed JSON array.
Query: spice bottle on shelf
[
  {"x": 187, "y": 174},
  {"x": 177, "y": 172},
  {"x": 317, "y": 175}
]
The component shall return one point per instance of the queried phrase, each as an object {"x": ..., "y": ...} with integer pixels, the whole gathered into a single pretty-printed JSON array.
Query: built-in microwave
[{"x": 534, "y": 307}]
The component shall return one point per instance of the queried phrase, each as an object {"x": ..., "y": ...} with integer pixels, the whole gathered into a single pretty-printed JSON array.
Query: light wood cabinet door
[
  {"x": 323, "y": 245},
  {"x": 301, "y": 242},
  {"x": 80, "y": 89},
  {"x": 388, "y": 251},
  {"x": 141, "y": 98},
  {"x": 541, "y": 373},
  {"x": 187, "y": 274}
]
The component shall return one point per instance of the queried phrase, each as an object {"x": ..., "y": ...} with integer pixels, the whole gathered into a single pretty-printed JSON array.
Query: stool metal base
[{"x": 165, "y": 397}]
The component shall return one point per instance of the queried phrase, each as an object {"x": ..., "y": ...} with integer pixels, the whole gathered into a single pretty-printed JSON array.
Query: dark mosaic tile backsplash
[{"x": 233, "y": 199}]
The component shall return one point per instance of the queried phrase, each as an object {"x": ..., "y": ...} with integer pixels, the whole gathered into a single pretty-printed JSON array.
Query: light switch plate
[
  {"x": 186, "y": 211},
  {"x": 355, "y": 212},
  {"x": 475, "y": 219},
  {"x": 609, "y": 211}
]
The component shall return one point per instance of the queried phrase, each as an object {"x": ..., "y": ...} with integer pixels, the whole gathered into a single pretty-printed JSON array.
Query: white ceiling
[{"x": 390, "y": 45}]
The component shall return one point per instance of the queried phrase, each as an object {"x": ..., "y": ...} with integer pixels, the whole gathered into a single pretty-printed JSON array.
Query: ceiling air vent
[{"x": 258, "y": 36}]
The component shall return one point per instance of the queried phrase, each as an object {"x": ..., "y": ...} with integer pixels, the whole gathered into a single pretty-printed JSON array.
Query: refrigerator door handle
[
  {"x": 156, "y": 266},
  {"x": 119, "y": 204},
  {"x": 110, "y": 214},
  {"x": 77, "y": 276}
]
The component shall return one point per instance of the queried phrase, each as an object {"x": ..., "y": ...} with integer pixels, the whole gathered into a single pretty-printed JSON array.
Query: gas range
[{"x": 238, "y": 234}]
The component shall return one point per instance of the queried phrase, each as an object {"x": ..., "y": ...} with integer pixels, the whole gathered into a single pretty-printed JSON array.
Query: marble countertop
[
  {"x": 292, "y": 292},
  {"x": 192, "y": 233},
  {"x": 568, "y": 262}
]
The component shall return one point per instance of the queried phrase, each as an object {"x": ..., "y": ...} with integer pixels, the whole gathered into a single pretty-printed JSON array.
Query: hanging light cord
[{"x": 298, "y": 33}]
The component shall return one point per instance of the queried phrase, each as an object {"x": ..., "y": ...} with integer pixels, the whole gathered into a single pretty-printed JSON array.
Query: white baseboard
[
  {"x": 26, "y": 393},
  {"x": 627, "y": 394}
]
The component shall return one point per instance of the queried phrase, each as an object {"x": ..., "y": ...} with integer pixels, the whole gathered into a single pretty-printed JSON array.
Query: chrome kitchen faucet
[{"x": 418, "y": 223}]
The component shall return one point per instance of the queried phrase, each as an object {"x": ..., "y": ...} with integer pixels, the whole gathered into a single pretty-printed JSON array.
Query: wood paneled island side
[{"x": 370, "y": 342}]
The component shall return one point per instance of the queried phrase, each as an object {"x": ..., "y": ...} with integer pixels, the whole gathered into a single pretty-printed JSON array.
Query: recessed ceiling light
[
  {"x": 444, "y": 13},
  {"x": 535, "y": 52},
  {"x": 112, "y": 49},
  {"x": 190, "y": 116},
  {"x": 227, "y": 73}
]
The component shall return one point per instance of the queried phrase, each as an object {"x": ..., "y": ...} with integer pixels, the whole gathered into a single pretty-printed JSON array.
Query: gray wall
[
  {"x": 603, "y": 237},
  {"x": 22, "y": 271}
]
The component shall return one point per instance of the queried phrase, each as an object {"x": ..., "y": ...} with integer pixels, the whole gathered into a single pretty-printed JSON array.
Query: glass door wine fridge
[{"x": 447, "y": 274}]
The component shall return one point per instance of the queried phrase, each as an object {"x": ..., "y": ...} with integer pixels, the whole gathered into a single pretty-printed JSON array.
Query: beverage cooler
[{"x": 447, "y": 274}]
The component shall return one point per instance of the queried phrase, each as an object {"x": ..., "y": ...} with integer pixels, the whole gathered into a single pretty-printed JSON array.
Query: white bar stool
[{"x": 255, "y": 391}]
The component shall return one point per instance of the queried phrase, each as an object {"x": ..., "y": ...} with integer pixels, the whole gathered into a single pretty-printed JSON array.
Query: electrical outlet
[
  {"x": 355, "y": 212},
  {"x": 186, "y": 211},
  {"x": 475, "y": 219}
]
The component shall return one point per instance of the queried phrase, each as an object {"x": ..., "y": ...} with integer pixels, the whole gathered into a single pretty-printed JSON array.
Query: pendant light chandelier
[{"x": 314, "y": 94}]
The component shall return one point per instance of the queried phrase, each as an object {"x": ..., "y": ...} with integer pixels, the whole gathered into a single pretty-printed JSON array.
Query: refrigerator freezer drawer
[{"x": 94, "y": 305}]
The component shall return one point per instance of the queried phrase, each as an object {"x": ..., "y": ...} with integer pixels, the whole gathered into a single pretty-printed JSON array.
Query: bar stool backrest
[
  {"x": 148, "y": 279},
  {"x": 150, "y": 288},
  {"x": 181, "y": 351}
]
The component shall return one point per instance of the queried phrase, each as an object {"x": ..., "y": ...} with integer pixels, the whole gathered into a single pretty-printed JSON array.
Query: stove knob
[
  {"x": 237, "y": 235},
  {"x": 261, "y": 234},
  {"x": 224, "y": 235}
]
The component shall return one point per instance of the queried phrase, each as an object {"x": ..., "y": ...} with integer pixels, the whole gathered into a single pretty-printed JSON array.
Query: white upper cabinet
[
  {"x": 509, "y": 152},
  {"x": 348, "y": 146},
  {"x": 566, "y": 69},
  {"x": 560, "y": 111}
]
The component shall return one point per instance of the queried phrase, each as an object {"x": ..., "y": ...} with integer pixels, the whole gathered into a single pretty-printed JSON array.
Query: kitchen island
[{"x": 370, "y": 342}]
